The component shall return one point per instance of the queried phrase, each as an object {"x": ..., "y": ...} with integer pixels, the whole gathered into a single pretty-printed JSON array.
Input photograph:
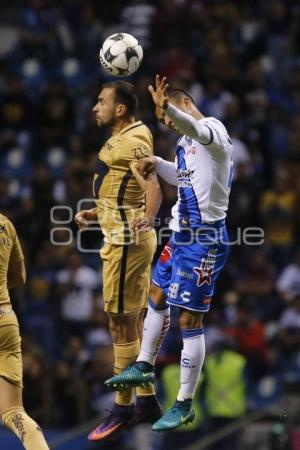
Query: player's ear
[
  {"x": 187, "y": 102},
  {"x": 121, "y": 110}
]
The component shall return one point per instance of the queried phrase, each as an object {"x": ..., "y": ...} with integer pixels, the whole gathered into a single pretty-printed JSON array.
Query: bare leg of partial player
[{"x": 15, "y": 418}]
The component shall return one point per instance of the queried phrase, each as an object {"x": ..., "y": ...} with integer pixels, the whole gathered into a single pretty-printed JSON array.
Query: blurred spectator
[
  {"x": 56, "y": 114},
  {"x": 288, "y": 282},
  {"x": 16, "y": 111},
  {"x": 76, "y": 286},
  {"x": 289, "y": 322},
  {"x": 38, "y": 310},
  {"x": 37, "y": 393},
  {"x": 257, "y": 279},
  {"x": 225, "y": 391},
  {"x": 249, "y": 335},
  {"x": 278, "y": 209},
  {"x": 137, "y": 19},
  {"x": 38, "y": 34},
  {"x": 70, "y": 397}
]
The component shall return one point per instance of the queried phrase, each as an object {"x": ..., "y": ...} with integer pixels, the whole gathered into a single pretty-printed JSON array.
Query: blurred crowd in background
[{"x": 241, "y": 63}]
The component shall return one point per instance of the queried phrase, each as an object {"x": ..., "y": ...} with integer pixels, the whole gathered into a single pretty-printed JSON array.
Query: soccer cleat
[
  {"x": 147, "y": 409},
  {"x": 121, "y": 417},
  {"x": 181, "y": 413},
  {"x": 131, "y": 377}
]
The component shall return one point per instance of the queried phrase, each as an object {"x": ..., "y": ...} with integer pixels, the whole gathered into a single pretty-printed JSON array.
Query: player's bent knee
[{"x": 123, "y": 328}]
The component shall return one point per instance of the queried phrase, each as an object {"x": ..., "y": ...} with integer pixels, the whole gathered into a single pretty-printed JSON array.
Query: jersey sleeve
[
  {"x": 16, "y": 251},
  {"x": 167, "y": 171},
  {"x": 133, "y": 150},
  {"x": 203, "y": 131}
]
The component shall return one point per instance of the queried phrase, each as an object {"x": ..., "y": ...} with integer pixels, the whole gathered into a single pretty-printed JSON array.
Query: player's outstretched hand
[
  {"x": 146, "y": 165},
  {"x": 159, "y": 94},
  {"x": 85, "y": 216}
]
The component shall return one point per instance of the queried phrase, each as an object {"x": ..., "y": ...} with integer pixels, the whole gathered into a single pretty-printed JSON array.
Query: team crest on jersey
[
  {"x": 191, "y": 151},
  {"x": 206, "y": 269}
]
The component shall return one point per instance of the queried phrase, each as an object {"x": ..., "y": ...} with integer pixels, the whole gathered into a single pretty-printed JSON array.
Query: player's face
[
  {"x": 163, "y": 118},
  {"x": 105, "y": 108}
]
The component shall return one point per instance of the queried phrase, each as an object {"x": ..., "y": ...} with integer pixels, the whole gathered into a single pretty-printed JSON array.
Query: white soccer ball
[{"x": 121, "y": 55}]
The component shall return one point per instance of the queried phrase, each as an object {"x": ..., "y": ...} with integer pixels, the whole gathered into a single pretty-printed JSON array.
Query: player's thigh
[
  {"x": 138, "y": 274},
  {"x": 114, "y": 258},
  {"x": 11, "y": 370},
  {"x": 162, "y": 274},
  {"x": 126, "y": 275}
]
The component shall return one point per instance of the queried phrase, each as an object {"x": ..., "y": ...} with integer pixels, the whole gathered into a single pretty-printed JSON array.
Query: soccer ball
[{"x": 121, "y": 54}]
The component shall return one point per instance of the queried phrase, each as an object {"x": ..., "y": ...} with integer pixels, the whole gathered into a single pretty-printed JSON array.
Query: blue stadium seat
[
  {"x": 16, "y": 163},
  {"x": 71, "y": 72},
  {"x": 33, "y": 74},
  {"x": 55, "y": 159}
]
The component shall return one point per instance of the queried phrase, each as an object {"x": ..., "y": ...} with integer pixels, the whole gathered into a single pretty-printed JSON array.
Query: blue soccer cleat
[
  {"x": 131, "y": 377},
  {"x": 181, "y": 413}
]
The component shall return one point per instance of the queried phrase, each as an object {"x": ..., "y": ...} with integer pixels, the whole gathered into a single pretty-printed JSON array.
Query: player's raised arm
[
  {"x": 189, "y": 126},
  {"x": 183, "y": 119}
]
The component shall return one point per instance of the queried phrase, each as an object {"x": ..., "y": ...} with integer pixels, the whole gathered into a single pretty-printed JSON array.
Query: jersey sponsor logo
[
  {"x": 184, "y": 274},
  {"x": 206, "y": 269},
  {"x": 184, "y": 177}
]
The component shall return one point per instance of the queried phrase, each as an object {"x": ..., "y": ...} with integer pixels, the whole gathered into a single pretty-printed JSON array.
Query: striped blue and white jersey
[{"x": 204, "y": 170}]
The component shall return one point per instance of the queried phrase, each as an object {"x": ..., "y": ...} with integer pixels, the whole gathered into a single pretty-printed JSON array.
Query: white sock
[
  {"x": 156, "y": 326},
  {"x": 192, "y": 359}
]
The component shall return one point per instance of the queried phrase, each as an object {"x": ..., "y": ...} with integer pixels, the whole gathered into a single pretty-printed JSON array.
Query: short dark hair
[
  {"x": 178, "y": 94},
  {"x": 125, "y": 94}
]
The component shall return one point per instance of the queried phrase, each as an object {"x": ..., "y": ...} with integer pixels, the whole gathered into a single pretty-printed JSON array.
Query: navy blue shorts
[{"x": 189, "y": 266}]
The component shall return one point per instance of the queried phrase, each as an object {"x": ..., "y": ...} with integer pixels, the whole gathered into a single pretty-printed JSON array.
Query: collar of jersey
[{"x": 132, "y": 125}]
